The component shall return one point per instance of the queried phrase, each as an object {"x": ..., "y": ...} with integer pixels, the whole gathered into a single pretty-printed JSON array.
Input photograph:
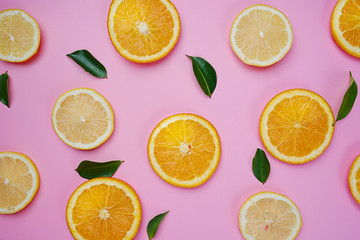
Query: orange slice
[
  {"x": 269, "y": 216},
  {"x": 296, "y": 126},
  {"x": 261, "y": 35},
  {"x": 354, "y": 179},
  {"x": 19, "y": 35},
  {"x": 184, "y": 150},
  {"x": 143, "y": 30},
  {"x": 82, "y": 118},
  {"x": 345, "y": 26},
  {"x": 19, "y": 182},
  {"x": 103, "y": 209}
]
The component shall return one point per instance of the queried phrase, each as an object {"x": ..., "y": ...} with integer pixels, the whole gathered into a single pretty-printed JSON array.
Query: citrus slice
[
  {"x": 143, "y": 31},
  {"x": 82, "y": 118},
  {"x": 261, "y": 35},
  {"x": 103, "y": 209},
  {"x": 345, "y": 26},
  {"x": 184, "y": 150},
  {"x": 19, "y": 182},
  {"x": 296, "y": 126},
  {"x": 354, "y": 179},
  {"x": 269, "y": 216},
  {"x": 19, "y": 35}
]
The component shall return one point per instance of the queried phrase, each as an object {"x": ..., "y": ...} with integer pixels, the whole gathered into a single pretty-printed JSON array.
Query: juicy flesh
[
  {"x": 81, "y": 118},
  {"x": 184, "y": 149},
  {"x": 297, "y": 126},
  {"x": 357, "y": 179},
  {"x": 16, "y": 36},
  {"x": 104, "y": 209},
  {"x": 15, "y": 182},
  {"x": 270, "y": 219},
  {"x": 143, "y": 27},
  {"x": 349, "y": 22},
  {"x": 261, "y": 35}
]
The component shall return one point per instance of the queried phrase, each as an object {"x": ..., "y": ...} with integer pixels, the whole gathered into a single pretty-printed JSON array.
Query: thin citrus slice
[
  {"x": 269, "y": 216},
  {"x": 19, "y": 35},
  {"x": 354, "y": 179},
  {"x": 143, "y": 30},
  {"x": 296, "y": 126},
  {"x": 345, "y": 26},
  {"x": 82, "y": 118},
  {"x": 184, "y": 150},
  {"x": 19, "y": 182},
  {"x": 261, "y": 35},
  {"x": 103, "y": 209}
]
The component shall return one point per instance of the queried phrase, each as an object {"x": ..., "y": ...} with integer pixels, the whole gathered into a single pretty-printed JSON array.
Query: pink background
[{"x": 143, "y": 94}]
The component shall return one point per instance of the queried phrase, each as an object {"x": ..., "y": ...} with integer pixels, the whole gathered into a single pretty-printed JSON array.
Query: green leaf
[
  {"x": 4, "y": 98},
  {"x": 348, "y": 100},
  {"x": 205, "y": 74},
  {"x": 89, "y": 170},
  {"x": 154, "y": 224},
  {"x": 261, "y": 166},
  {"x": 88, "y": 63}
]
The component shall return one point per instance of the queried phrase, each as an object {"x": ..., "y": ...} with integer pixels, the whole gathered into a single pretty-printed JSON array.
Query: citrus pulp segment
[
  {"x": 103, "y": 209},
  {"x": 345, "y": 26},
  {"x": 19, "y": 182},
  {"x": 296, "y": 126},
  {"x": 354, "y": 179},
  {"x": 261, "y": 35},
  {"x": 143, "y": 30},
  {"x": 82, "y": 118},
  {"x": 184, "y": 150},
  {"x": 19, "y": 35},
  {"x": 269, "y": 216}
]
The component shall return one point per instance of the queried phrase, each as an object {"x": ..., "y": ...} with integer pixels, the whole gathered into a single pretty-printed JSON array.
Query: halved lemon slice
[
  {"x": 82, "y": 118},
  {"x": 19, "y": 35},
  {"x": 184, "y": 150},
  {"x": 261, "y": 35},
  {"x": 296, "y": 126},
  {"x": 103, "y": 209},
  {"x": 19, "y": 182},
  {"x": 269, "y": 216},
  {"x": 143, "y": 31},
  {"x": 354, "y": 179}
]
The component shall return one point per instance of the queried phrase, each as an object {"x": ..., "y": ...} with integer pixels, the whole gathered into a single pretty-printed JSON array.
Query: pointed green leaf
[
  {"x": 89, "y": 63},
  {"x": 4, "y": 97},
  {"x": 261, "y": 166},
  {"x": 88, "y": 169},
  {"x": 348, "y": 100},
  {"x": 205, "y": 74},
  {"x": 154, "y": 224}
]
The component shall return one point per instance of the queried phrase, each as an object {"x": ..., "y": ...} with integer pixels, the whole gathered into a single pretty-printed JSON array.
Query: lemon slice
[{"x": 354, "y": 179}]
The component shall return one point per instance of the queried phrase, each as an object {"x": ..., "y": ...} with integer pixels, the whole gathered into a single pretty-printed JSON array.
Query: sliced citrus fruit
[
  {"x": 261, "y": 35},
  {"x": 143, "y": 31},
  {"x": 19, "y": 35},
  {"x": 19, "y": 182},
  {"x": 296, "y": 126},
  {"x": 103, "y": 209},
  {"x": 345, "y": 26},
  {"x": 82, "y": 118},
  {"x": 354, "y": 179},
  {"x": 184, "y": 150},
  {"x": 269, "y": 216}
]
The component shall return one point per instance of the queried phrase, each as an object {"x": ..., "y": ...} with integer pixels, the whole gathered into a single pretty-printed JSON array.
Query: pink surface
[{"x": 143, "y": 94}]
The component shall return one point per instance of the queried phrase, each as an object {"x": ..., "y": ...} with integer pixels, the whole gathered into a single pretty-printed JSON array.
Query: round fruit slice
[
  {"x": 19, "y": 35},
  {"x": 19, "y": 182},
  {"x": 261, "y": 35},
  {"x": 103, "y": 209},
  {"x": 82, "y": 118},
  {"x": 345, "y": 26},
  {"x": 184, "y": 150},
  {"x": 296, "y": 126},
  {"x": 143, "y": 31},
  {"x": 354, "y": 179},
  {"x": 270, "y": 216}
]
